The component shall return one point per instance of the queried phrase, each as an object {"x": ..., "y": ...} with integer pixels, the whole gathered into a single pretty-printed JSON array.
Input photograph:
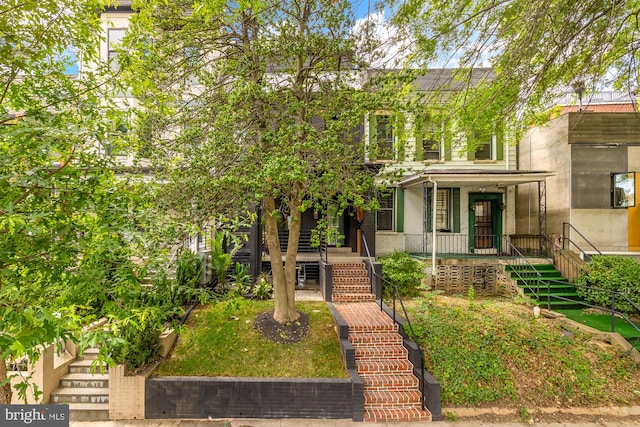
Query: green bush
[
  {"x": 404, "y": 272},
  {"x": 188, "y": 269},
  {"x": 139, "y": 342},
  {"x": 612, "y": 273}
]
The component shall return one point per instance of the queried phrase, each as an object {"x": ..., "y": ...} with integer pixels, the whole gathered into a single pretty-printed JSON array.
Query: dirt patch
[{"x": 288, "y": 333}]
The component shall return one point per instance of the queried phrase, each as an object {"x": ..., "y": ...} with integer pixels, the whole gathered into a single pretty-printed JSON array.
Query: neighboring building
[
  {"x": 473, "y": 211},
  {"x": 594, "y": 155}
]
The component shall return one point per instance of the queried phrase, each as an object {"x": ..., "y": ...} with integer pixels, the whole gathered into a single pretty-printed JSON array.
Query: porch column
[{"x": 434, "y": 202}]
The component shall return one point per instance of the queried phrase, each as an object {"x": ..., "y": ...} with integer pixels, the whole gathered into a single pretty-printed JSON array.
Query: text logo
[{"x": 34, "y": 415}]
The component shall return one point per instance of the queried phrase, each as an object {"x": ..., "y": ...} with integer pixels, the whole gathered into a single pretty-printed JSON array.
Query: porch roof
[{"x": 475, "y": 177}]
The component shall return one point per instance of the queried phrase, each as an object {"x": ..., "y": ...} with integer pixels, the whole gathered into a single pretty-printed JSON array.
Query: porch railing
[
  {"x": 568, "y": 242},
  {"x": 457, "y": 244}
]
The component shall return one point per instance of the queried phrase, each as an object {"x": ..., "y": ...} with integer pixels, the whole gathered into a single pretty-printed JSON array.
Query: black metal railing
[
  {"x": 564, "y": 260},
  {"x": 457, "y": 244},
  {"x": 395, "y": 299},
  {"x": 567, "y": 229},
  {"x": 524, "y": 271}
]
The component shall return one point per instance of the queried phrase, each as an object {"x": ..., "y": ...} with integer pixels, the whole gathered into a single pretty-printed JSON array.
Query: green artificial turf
[{"x": 602, "y": 322}]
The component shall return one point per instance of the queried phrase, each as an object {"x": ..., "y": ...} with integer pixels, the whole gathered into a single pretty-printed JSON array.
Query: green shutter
[
  {"x": 448, "y": 141},
  {"x": 418, "y": 125},
  {"x": 400, "y": 209},
  {"x": 429, "y": 195},
  {"x": 400, "y": 135},
  {"x": 456, "y": 210},
  {"x": 471, "y": 149},
  {"x": 500, "y": 143}
]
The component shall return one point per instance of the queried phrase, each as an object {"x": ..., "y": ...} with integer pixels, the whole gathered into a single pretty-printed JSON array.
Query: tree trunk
[
  {"x": 284, "y": 299},
  {"x": 5, "y": 390}
]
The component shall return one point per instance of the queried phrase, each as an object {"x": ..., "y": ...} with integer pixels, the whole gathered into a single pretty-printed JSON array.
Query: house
[
  {"x": 450, "y": 199},
  {"x": 594, "y": 153}
]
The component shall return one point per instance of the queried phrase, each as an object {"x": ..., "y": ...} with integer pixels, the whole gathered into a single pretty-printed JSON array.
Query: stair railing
[
  {"x": 566, "y": 229},
  {"x": 528, "y": 273},
  {"x": 396, "y": 298},
  {"x": 569, "y": 267}
]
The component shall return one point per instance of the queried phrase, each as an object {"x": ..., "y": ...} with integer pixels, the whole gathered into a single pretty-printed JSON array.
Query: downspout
[{"x": 433, "y": 225}]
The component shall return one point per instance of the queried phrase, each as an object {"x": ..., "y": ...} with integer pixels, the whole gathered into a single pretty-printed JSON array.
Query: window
[
  {"x": 429, "y": 135},
  {"x": 443, "y": 209},
  {"x": 114, "y": 38},
  {"x": 487, "y": 144},
  {"x": 623, "y": 190},
  {"x": 483, "y": 147},
  {"x": 384, "y": 137},
  {"x": 384, "y": 215}
]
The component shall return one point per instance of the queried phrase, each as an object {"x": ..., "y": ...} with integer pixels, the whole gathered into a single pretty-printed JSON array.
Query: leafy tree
[
  {"x": 254, "y": 104},
  {"x": 539, "y": 49},
  {"x": 69, "y": 228}
]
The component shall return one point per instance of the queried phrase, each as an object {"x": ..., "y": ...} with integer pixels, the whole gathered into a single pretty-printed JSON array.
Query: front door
[{"x": 485, "y": 222}]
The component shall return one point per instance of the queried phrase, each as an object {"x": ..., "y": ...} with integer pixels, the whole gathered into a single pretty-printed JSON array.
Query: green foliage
[
  {"x": 241, "y": 278},
  {"x": 220, "y": 259},
  {"x": 263, "y": 289},
  {"x": 612, "y": 273},
  {"x": 478, "y": 352},
  {"x": 188, "y": 269},
  {"x": 140, "y": 335},
  {"x": 404, "y": 272}
]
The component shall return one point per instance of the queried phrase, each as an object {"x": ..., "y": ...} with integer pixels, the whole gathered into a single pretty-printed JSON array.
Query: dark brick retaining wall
[{"x": 222, "y": 397}]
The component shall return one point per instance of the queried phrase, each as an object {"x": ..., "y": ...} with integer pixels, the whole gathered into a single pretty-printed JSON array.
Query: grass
[
  {"x": 495, "y": 351},
  {"x": 219, "y": 340},
  {"x": 602, "y": 322}
]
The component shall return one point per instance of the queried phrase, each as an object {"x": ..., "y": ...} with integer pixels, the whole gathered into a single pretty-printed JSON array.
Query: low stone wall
[
  {"x": 224, "y": 397},
  {"x": 486, "y": 278}
]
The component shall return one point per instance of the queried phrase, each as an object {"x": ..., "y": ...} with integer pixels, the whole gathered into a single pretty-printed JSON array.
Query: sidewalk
[{"x": 333, "y": 423}]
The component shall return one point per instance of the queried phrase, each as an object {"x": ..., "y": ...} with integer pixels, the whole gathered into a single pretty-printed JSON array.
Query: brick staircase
[
  {"x": 391, "y": 390},
  {"x": 86, "y": 393}
]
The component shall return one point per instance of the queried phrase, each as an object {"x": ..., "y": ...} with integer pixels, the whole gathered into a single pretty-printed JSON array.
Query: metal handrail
[
  {"x": 561, "y": 260},
  {"x": 565, "y": 237},
  {"x": 530, "y": 270},
  {"x": 406, "y": 317}
]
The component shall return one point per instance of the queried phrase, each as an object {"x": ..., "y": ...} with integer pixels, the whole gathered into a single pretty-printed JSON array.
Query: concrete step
[
  {"x": 88, "y": 411},
  {"x": 392, "y": 399},
  {"x": 80, "y": 395},
  {"x": 400, "y": 414},
  {"x": 89, "y": 354},
  {"x": 86, "y": 367},
  {"x": 383, "y": 367},
  {"x": 377, "y": 339},
  {"x": 390, "y": 382},
  {"x": 83, "y": 380}
]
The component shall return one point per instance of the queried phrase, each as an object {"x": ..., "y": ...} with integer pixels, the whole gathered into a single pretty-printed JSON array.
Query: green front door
[{"x": 485, "y": 222}]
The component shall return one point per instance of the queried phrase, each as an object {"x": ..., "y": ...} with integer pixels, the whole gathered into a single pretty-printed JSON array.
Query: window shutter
[
  {"x": 471, "y": 149},
  {"x": 428, "y": 194},
  {"x": 448, "y": 137},
  {"x": 418, "y": 126},
  {"x": 400, "y": 209},
  {"x": 456, "y": 210},
  {"x": 500, "y": 143}
]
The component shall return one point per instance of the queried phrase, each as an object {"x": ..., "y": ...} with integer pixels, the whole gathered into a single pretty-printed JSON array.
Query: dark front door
[{"x": 483, "y": 224}]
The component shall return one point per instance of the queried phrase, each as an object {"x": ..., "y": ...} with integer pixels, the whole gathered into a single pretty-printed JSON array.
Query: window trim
[
  {"x": 616, "y": 198},
  {"x": 391, "y": 210}
]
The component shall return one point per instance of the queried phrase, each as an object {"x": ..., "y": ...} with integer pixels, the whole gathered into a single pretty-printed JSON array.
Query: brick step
[
  {"x": 80, "y": 395},
  {"x": 89, "y": 412},
  {"x": 376, "y": 353},
  {"x": 390, "y": 382},
  {"x": 401, "y": 414},
  {"x": 341, "y": 266},
  {"x": 85, "y": 380},
  {"x": 392, "y": 399},
  {"x": 378, "y": 339},
  {"x": 350, "y": 280},
  {"x": 351, "y": 288},
  {"x": 361, "y": 273},
  {"x": 85, "y": 367},
  {"x": 382, "y": 367},
  {"x": 354, "y": 297},
  {"x": 373, "y": 329}
]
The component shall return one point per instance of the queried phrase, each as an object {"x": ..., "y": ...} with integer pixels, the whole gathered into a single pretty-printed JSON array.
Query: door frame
[{"x": 496, "y": 217}]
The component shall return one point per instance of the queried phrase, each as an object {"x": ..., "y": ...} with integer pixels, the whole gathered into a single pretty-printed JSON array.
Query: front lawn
[{"x": 220, "y": 340}]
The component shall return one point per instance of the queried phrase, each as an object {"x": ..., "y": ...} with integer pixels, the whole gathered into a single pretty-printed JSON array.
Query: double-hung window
[
  {"x": 385, "y": 213},
  {"x": 384, "y": 137},
  {"x": 114, "y": 39}
]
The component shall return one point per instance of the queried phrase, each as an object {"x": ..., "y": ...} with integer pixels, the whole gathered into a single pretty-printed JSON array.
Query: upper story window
[
  {"x": 623, "y": 190},
  {"x": 385, "y": 214},
  {"x": 114, "y": 39},
  {"x": 486, "y": 145},
  {"x": 384, "y": 137},
  {"x": 429, "y": 138}
]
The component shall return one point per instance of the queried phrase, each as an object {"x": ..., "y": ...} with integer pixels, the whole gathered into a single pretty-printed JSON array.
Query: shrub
[
  {"x": 139, "y": 341},
  {"x": 188, "y": 269},
  {"x": 404, "y": 272},
  {"x": 612, "y": 273},
  {"x": 263, "y": 289}
]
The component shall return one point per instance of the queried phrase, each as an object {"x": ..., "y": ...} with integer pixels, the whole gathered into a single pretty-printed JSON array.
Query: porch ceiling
[{"x": 475, "y": 177}]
